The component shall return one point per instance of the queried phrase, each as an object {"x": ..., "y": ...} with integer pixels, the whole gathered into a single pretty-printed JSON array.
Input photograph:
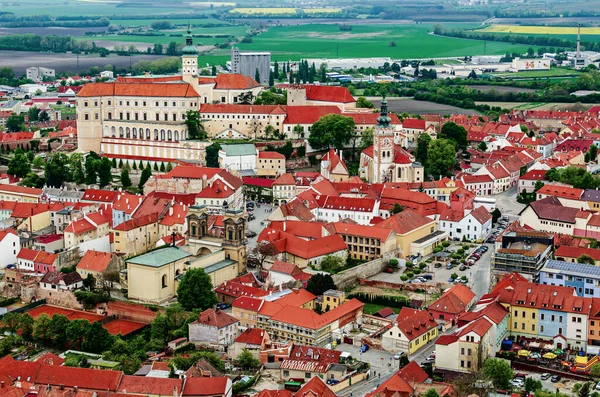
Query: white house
[
  {"x": 215, "y": 328},
  {"x": 334, "y": 209},
  {"x": 238, "y": 157},
  {"x": 58, "y": 281},
  {"x": 475, "y": 225},
  {"x": 25, "y": 259},
  {"x": 10, "y": 246}
]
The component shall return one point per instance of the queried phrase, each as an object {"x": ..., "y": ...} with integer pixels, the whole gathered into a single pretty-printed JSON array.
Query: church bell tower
[
  {"x": 189, "y": 60},
  {"x": 383, "y": 145}
]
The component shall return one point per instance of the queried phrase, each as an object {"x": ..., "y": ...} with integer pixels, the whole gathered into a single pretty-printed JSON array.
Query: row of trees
[{"x": 578, "y": 177}]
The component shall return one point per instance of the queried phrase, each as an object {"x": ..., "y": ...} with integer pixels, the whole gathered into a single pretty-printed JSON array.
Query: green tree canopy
[
  {"x": 104, "y": 172},
  {"x": 146, "y": 174},
  {"x": 125, "y": 179},
  {"x": 19, "y": 165},
  {"x": 246, "y": 360},
  {"x": 332, "y": 263},
  {"x": 498, "y": 371},
  {"x": 441, "y": 157},
  {"x": 319, "y": 283},
  {"x": 430, "y": 393},
  {"x": 422, "y": 149},
  {"x": 195, "y": 290},
  {"x": 363, "y": 102},
  {"x": 455, "y": 133},
  {"x": 332, "y": 130},
  {"x": 193, "y": 120}
]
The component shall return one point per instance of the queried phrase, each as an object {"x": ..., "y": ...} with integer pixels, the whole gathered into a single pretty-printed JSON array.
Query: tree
[
  {"x": 363, "y": 102},
  {"x": 430, "y": 393},
  {"x": 41, "y": 328},
  {"x": 531, "y": 385},
  {"x": 146, "y": 174},
  {"x": 15, "y": 123},
  {"x": 319, "y": 283},
  {"x": 97, "y": 338},
  {"x": 366, "y": 138},
  {"x": 441, "y": 157},
  {"x": 482, "y": 146},
  {"x": 104, "y": 172},
  {"x": 257, "y": 76},
  {"x": 538, "y": 186},
  {"x": 593, "y": 152},
  {"x": 169, "y": 167},
  {"x": 396, "y": 209},
  {"x": 298, "y": 131},
  {"x": 125, "y": 180},
  {"x": 19, "y": 165},
  {"x": 58, "y": 328},
  {"x": 32, "y": 114},
  {"x": 584, "y": 390},
  {"x": 155, "y": 167},
  {"x": 496, "y": 214},
  {"x": 472, "y": 75},
  {"x": 193, "y": 120},
  {"x": 91, "y": 173},
  {"x": 43, "y": 116},
  {"x": 264, "y": 250},
  {"x": 584, "y": 258},
  {"x": 455, "y": 133},
  {"x": 595, "y": 370},
  {"x": 246, "y": 360},
  {"x": 332, "y": 130},
  {"x": 212, "y": 155},
  {"x": 195, "y": 290},
  {"x": 76, "y": 171},
  {"x": 246, "y": 98},
  {"x": 332, "y": 263},
  {"x": 38, "y": 163},
  {"x": 271, "y": 79},
  {"x": 162, "y": 167},
  {"x": 498, "y": 371},
  {"x": 89, "y": 282},
  {"x": 422, "y": 148},
  {"x": 32, "y": 180}
]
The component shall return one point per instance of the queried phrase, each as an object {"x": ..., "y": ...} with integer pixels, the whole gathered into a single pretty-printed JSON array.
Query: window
[
  {"x": 164, "y": 281},
  {"x": 286, "y": 373},
  {"x": 307, "y": 375}
]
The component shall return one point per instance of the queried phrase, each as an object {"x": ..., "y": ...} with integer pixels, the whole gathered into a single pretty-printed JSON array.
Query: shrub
[
  {"x": 393, "y": 262},
  {"x": 422, "y": 265},
  {"x": 417, "y": 271},
  {"x": 454, "y": 276},
  {"x": 460, "y": 251},
  {"x": 404, "y": 277},
  {"x": 446, "y": 244},
  {"x": 410, "y": 265},
  {"x": 410, "y": 274}
]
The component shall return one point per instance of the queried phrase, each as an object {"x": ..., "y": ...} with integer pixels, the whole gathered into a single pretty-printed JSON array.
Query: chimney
[
  {"x": 61, "y": 387},
  {"x": 174, "y": 391},
  {"x": 2, "y": 385},
  {"x": 170, "y": 211},
  {"x": 578, "y": 40},
  {"x": 75, "y": 388}
]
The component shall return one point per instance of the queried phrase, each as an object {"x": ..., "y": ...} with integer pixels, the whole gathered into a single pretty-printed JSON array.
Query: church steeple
[
  {"x": 383, "y": 120},
  {"x": 189, "y": 48}
]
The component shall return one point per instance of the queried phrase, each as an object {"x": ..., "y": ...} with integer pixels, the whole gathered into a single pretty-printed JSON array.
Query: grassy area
[
  {"x": 545, "y": 30},
  {"x": 263, "y": 11},
  {"x": 371, "y": 308},
  {"x": 553, "y": 72},
  {"x": 147, "y": 22},
  {"x": 95, "y": 7},
  {"x": 395, "y": 41}
]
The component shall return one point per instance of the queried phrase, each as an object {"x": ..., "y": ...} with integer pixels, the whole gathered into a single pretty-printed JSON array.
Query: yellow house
[
  {"x": 19, "y": 193},
  {"x": 411, "y": 331},
  {"x": 523, "y": 320},
  {"x": 92, "y": 226},
  {"x": 415, "y": 233},
  {"x": 136, "y": 236},
  {"x": 270, "y": 164},
  {"x": 367, "y": 242},
  {"x": 333, "y": 298}
]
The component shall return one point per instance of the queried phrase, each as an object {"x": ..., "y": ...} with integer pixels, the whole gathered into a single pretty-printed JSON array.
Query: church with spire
[{"x": 386, "y": 161}]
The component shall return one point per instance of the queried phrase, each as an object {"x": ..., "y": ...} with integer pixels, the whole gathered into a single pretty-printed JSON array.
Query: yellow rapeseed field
[
  {"x": 518, "y": 29},
  {"x": 265, "y": 10},
  {"x": 321, "y": 10}
]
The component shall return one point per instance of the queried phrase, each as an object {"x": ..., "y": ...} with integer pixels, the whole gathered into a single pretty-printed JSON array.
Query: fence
[
  {"x": 351, "y": 380},
  {"x": 26, "y": 308}
]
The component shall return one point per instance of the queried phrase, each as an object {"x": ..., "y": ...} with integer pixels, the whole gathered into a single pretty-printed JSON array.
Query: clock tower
[{"x": 383, "y": 146}]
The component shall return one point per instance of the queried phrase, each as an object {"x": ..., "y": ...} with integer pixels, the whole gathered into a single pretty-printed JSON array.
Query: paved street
[
  {"x": 507, "y": 203},
  {"x": 380, "y": 370},
  {"x": 255, "y": 226}
]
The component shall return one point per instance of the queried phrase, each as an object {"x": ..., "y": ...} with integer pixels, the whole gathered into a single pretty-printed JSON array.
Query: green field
[
  {"x": 327, "y": 41},
  {"x": 553, "y": 72},
  {"x": 147, "y": 22},
  {"x": 371, "y": 308}
]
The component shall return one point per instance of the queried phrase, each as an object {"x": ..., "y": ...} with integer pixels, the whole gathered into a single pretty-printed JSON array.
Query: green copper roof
[
  {"x": 189, "y": 48},
  {"x": 384, "y": 120},
  {"x": 159, "y": 257},
  {"x": 240, "y": 149}
]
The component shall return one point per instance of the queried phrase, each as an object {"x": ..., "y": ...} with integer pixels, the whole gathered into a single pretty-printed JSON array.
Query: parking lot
[
  {"x": 564, "y": 385},
  {"x": 378, "y": 359}
]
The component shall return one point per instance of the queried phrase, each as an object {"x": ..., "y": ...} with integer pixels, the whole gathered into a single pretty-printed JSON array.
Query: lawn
[
  {"x": 371, "y": 308},
  {"x": 395, "y": 41},
  {"x": 553, "y": 72}
]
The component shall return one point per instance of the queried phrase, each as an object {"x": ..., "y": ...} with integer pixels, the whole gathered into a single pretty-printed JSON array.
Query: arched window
[
  {"x": 164, "y": 281},
  {"x": 120, "y": 132},
  {"x": 169, "y": 135},
  {"x": 194, "y": 230},
  {"x": 148, "y": 133},
  {"x": 162, "y": 135},
  {"x": 113, "y": 132},
  {"x": 134, "y": 132},
  {"x": 106, "y": 131},
  {"x": 127, "y": 133},
  {"x": 176, "y": 135},
  {"x": 155, "y": 134}
]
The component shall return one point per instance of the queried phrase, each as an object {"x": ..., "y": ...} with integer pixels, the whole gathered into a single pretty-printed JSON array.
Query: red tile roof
[
  {"x": 27, "y": 254},
  {"x": 534, "y": 175},
  {"x": 481, "y": 215},
  {"x": 216, "y": 190},
  {"x": 127, "y": 202},
  {"x": 315, "y": 388},
  {"x": 370, "y": 119},
  {"x": 50, "y": 359},
  {"x": 80, "y": 227},
  {"x": 446, "y": 340},
  {"x": 216, "y": 318},
  {"x": 313, "y": 353},
  {"x": 260, "y": 182},
  {"x": 346, "y": 203},
  {"x": 405, "y": 222},
  {"x": 550, "y": 208},
  {"x": 191, "y": 172},
  {"x": 251, "y": 336},
  {"x": 413, "y": 124},
  {"x": 394, "y": 386},
  {"x": 26, "y": 191},
  {"x": 154, "y": 90},
  {"x": 100, "y": 196},
  {"x": 480, "y": 326},
  {"x": 137, "y": 222},
  {"x": 94, "y": 261},
  {"x": 203, "y": 386},
  {"x": 308, "y": 114},
  {"x": 561, "y": 191},
  {"x": 270, "y": 155},
  {"x": 148, "y": 385},
  {"x": 412, "y": 373},
  {"x": 453, "y": 301},
  {"x": 235, "y": 289},
  {"x": 379, "y": 232},
  {"x": 297, "y": 297},
  {"x": 234, "y": 82},
  {"x": 286, "y": 242},
  {"x": 324, "y": 93},
  {"x": 565, "y": 251},
  {"x": 81, "y": 377},
  {"x": 494, "y": 311},
  {"x": 414, "y": 323}
]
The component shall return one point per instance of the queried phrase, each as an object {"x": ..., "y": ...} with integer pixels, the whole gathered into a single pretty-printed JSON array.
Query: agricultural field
[
  {"x": 182, "y": 22},
  {"x": 545, "y": 30},
  {"x": 264, "y": 11},
  {"x": 322, "y": 10},
  {"x": 395, "y": 41},
  {"x": 553, "y": 72},
  {"x": 93, "y": 7}
]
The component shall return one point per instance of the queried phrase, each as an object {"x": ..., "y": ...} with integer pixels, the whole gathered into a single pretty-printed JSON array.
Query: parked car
[
  {"x": 398, "y": 355},
  {"x": 462, "y": 268},
  {"x": 420, "y": 280},
  {"x": 450, "y": 280},
  {"x": 449, "y": 266},
  {"x": 517, "y": 382},
  {"x": 427, "y": 276},
  {"x": 437, "y": 265},
  {"x": 555, "y": 378},
  {"x": 250, "y": 234},
  {"x": 597, "y": 385},
  {"x": 545, "y": 376},
  {"x": 222, "y": 306}
]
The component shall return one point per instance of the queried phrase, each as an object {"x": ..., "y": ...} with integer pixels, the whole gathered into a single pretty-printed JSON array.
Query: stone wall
[
  {"x": 59, "y": 298},
  {"x": 366, "y": 270},
  {"x": 128, "y": 311}
]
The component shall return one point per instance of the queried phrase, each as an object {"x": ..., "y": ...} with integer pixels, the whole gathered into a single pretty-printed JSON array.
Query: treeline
[
  {"x": 540, "y": 40},
  {"x": 34, "y": 42},
  {"x": 159, "y": 66},
  {"x": 542, "y": 13},
  {"x": 89, "y": 23}
]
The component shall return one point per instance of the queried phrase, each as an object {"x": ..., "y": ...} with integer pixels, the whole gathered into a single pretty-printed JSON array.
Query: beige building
[
  {"x": 270, "y": 164},
  {"x": 467, "y": 349},
  {"x": 98, "y": 264},
  {"x": 366, "y": 242},
  {"x": 411, "y": 331},
  {"x": 90, "y": 227},
  {"x": 241, "y": 121},
  {"x": 136, "y": 236},
  {"x": 284, "y": 189},
  {"x": 20, "y": 194},
  {"x": 317, "y": 95},
  {"x": 333, "y": 167}
]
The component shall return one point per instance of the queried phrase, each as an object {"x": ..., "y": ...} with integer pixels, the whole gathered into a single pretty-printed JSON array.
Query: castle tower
[
  {"x": 383, "y": 146},
  {"x": 189, "y": 60}
]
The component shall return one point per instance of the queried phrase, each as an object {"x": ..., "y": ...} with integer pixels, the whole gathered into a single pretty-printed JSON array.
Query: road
[
  {"x": 255, "y": 226},
  {"x": 507, "y": 203}
]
